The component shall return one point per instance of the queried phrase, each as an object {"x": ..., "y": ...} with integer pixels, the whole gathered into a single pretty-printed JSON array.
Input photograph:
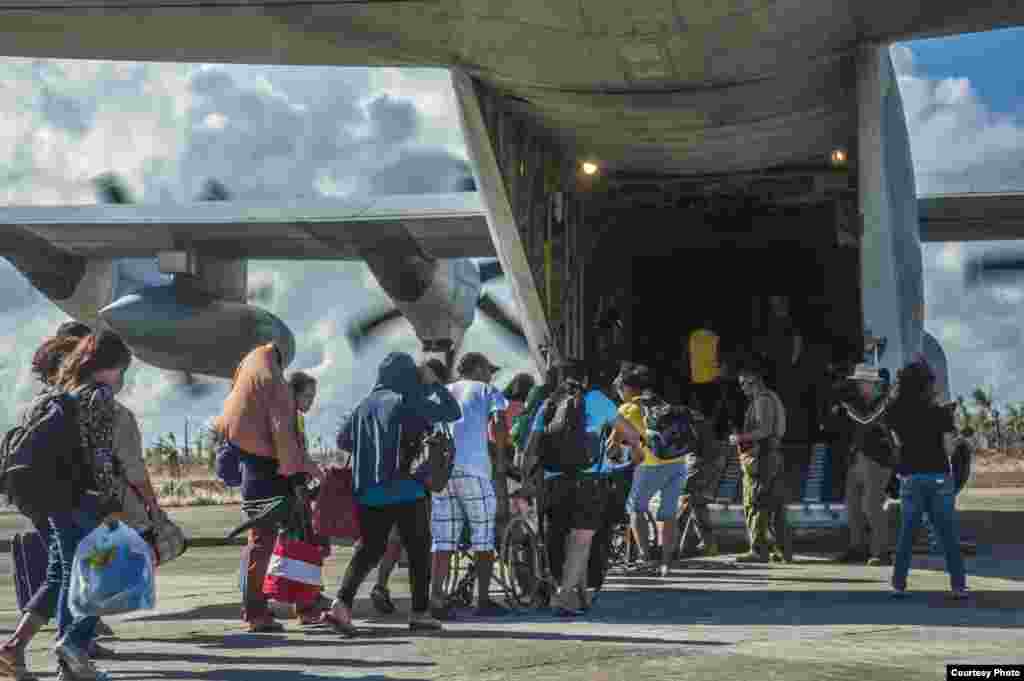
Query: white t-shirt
[{"x": 479, "y": 401}]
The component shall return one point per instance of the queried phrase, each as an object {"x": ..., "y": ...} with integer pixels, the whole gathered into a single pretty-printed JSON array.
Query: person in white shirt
[{"x": 469, "y": 497}]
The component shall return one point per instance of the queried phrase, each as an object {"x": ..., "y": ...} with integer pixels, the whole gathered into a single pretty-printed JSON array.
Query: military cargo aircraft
[{"x": 615, "y": 146}]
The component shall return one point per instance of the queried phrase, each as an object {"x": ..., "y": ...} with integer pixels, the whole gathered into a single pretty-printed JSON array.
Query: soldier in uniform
[{"x": 763, "y": 502}]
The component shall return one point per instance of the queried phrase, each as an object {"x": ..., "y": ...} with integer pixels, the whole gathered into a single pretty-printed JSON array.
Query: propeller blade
[
  {"x": 111, "y": 189},
  {"x": 490, "y": 307},
  {"x": 992, "y": 268},
  {"x": 360, "y": 330},
  {"x": 490, "y": 270}
]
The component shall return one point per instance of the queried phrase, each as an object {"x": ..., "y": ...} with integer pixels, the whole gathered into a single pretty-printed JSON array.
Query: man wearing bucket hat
[{"x": 863, "y": 438}]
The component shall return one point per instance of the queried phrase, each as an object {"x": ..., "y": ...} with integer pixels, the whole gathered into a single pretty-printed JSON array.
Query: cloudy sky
[{"x": 280, "y": 132}]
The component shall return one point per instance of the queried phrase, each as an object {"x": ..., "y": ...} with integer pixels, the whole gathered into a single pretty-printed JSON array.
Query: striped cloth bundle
[{"x": 295, "y": 571}]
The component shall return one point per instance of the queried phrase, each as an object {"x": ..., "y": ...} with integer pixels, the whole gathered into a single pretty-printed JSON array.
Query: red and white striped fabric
[{"x": 295, "y": 571}]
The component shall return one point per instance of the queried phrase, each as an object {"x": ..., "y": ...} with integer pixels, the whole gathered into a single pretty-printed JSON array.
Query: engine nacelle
[
  {"x": 180, "y": 329},
  {"x": 448, "y": 306}
]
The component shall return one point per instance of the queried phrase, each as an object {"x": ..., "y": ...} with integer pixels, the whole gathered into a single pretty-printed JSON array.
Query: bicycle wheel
[
  {"x": 618, "y": 554},
  {"x": 458, "y": 585},
  {"x": 520, "y": 562}
]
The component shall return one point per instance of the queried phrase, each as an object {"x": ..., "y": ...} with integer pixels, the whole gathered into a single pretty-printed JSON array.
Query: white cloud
[
  {"x": 264, "y": 131},
  {"x": 958, "y": 143},
  {"x": 216, "y": 121}
]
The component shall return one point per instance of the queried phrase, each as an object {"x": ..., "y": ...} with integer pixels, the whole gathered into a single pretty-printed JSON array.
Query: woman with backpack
[
  {"x": 79, "y": 501},
  {"x": 927, "y": 436},
  {"x": 46, "y": 365}
]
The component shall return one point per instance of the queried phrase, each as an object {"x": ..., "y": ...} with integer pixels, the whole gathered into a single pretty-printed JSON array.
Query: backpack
[
  {"x": 522, "y": 425},
  {"x": 564, "y": 438},
  {"x": 670, "y": 431},
  {"x": 36, "y": 453},
  {"x": 228, "y": 465}
]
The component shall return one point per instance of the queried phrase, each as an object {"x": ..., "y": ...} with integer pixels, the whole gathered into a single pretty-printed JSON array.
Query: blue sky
[
  {"x": 288, "y": 132},
  {"x": 991, "y": 61}
]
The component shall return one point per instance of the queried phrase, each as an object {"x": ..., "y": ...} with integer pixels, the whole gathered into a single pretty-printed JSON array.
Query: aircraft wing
[
  {"x": 971, "y": 217},
  {"x": 438, "y": 225}
]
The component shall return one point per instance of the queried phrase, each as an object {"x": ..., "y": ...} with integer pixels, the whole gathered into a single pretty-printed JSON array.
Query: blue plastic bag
[{"x": 112, "y": 573}]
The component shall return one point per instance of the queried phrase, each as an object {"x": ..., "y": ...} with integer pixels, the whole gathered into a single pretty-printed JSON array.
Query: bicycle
[
  {"x": 460, "y": 584},
  {"x": 524, "y": 556},
  {"x": 625, "y": 551}
]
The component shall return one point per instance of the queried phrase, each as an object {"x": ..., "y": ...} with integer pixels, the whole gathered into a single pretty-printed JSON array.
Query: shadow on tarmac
[{"x": 986, "y": 609}]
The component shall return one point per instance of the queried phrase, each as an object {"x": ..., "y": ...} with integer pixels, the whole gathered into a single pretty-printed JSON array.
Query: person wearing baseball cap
[
  {"x": 476, "y": 364},
  {"x": 470, "y": 497}
]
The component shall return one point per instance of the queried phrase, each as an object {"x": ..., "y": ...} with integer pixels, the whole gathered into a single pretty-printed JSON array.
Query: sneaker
[
  {"x": 663, "y": 571},
  {"x": 98, "y": 652},
  {"x": 752, "y": 557},
  {"x": 424, "y": 621},
  {"x": 103, "y": 630},
  {"x": 64, "y": 674},
  {"x": 381, "y": 598},
  {"x": 959, "y": 594},
  {"x": 77, "y": 664},
  {"x": 491, "y": 609},
  {"x": 12, "y": 664},
  {"x": 566, "y": 604}
]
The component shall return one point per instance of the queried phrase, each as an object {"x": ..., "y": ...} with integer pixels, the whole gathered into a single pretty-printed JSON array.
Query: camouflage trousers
[{"x": 764, "y": 505}]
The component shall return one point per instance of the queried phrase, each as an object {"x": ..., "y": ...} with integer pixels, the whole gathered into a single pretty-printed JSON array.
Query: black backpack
[
  {"x": 564, "y": 439},
  {"x": 670, "y": 431},
  {"x": 36, "y": 456}
]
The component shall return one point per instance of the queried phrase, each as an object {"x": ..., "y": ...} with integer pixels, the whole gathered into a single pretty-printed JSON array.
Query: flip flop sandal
[{"x": 346, "y": 630}]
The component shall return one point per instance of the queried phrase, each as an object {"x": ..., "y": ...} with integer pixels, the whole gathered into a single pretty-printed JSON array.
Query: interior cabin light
[
  {"x": 838, "y": 157},
  {"x": 589, "y": 168}
]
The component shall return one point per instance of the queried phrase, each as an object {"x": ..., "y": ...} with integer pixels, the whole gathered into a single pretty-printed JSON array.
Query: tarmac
[{"x": 710, "y": 619}]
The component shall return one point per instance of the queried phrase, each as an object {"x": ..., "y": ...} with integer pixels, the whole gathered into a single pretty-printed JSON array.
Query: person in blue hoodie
[{"x": 405, "y": 399}]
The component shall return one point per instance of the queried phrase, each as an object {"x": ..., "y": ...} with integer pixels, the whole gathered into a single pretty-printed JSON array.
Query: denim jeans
[
  {"x": 933, "y": 494},
  {"x": 67, "y": 530},
  {"x": 44, "y": 602}
]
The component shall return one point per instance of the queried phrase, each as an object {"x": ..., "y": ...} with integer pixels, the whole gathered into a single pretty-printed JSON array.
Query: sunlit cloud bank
[
  {"x": 960, "y": 145},
  {"x": 265, "y": 133}
]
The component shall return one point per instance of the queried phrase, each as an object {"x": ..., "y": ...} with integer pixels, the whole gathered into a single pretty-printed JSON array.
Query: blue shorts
[{"x": 667, "y": 478}]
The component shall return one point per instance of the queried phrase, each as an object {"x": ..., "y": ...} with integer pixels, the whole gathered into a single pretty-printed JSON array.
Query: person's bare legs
[
  {"x": 669, "y": 534},
  {"x": 577, "y": 555},
  {"x": 638, "y": 523}
]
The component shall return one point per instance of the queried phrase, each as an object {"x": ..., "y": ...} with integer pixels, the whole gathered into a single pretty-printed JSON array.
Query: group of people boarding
[{"x": 500, "y": 438}]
